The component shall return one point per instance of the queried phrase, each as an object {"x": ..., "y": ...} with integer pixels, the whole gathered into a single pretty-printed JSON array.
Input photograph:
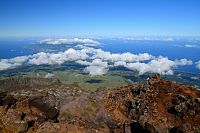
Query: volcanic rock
[{"x": 48, "y": 106}]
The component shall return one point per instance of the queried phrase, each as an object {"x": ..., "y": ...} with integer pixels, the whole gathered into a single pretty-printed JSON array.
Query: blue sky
[{"x": 99, "y": 17}]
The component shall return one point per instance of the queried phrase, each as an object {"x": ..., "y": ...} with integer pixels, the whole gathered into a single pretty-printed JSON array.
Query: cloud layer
[
  {"x": 13, "y": 62},
  {"x": 60, "y": 41},
  {"x": 148, "y": 38},
  {"x": 191, "y": 46},
  {"x": 198, "y": 65},
  {"x": 161, "y": 65},
  {"x": 98, "y": 61}
]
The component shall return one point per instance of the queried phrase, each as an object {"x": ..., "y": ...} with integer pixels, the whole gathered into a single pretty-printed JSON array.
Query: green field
[{"x": 70, "y": 73}]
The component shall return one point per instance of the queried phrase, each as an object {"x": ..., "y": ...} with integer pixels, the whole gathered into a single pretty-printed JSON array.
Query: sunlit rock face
[{"x": 38, "y": 105}]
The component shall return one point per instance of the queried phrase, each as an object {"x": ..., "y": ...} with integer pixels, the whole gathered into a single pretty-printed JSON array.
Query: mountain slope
[{"x": 38, "y": 105}]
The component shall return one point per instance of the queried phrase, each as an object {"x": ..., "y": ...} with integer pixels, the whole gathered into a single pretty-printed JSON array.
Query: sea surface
[{"x": 13, "y": 48}]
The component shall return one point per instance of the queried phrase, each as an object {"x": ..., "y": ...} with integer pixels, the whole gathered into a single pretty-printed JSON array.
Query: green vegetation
[
  {"x": 70, "y": 73},
  {"x": 86, "y": 81}
]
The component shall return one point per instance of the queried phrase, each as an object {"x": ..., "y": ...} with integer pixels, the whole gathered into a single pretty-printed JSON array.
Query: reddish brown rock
[{"x": 153, "y": 106}]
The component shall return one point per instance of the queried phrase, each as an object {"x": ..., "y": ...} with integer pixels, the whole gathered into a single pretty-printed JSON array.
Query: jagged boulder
[
  {"x": 43, "y": 108},
  {"x": 185, "y": 107}
]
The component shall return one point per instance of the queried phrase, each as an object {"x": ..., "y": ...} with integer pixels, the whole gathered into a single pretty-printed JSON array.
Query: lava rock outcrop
[{"x": 153, "y": 106}]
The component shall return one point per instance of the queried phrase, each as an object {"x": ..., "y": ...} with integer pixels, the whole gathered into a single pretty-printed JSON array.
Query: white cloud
[
  {"x": 49, "y": 75},
  {"x": 72, "y": 55},
  {"x": 195, "y": 78},
  {"x": 147, "y": 38},
  {"x": 183, "y": 62},
  {"x": 83, "y": 62},
  {"x": 120, "y": 63},
  {"x": 40, "y": 58},
  {"x": 90, "y": 44},
  {"x": 58, "y": 41},
  {"x": 58, "y": 58},
  {"x": 191, "y": 46},
  {"x": 43, "y": 58},
  {"x": 97, "y": 60},
  {"x": 95, "y": 70},
  {"x": 4, "y": 64},
  {"x": 13, "y": 62},
  {"x": 198, "y": 65},
  {"x": 161, "y": 65},
  {"x": 127, "y": 57}
]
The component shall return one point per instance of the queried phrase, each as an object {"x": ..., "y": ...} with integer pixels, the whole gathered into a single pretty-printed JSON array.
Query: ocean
[{"x": 13, "y": 48}]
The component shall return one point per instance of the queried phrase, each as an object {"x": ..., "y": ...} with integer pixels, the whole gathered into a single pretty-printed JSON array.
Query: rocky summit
[{"x": 36, "y": 105}]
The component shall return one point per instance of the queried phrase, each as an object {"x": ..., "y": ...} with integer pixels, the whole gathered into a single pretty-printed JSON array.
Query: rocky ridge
[{"x": 36, "y": 105}]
